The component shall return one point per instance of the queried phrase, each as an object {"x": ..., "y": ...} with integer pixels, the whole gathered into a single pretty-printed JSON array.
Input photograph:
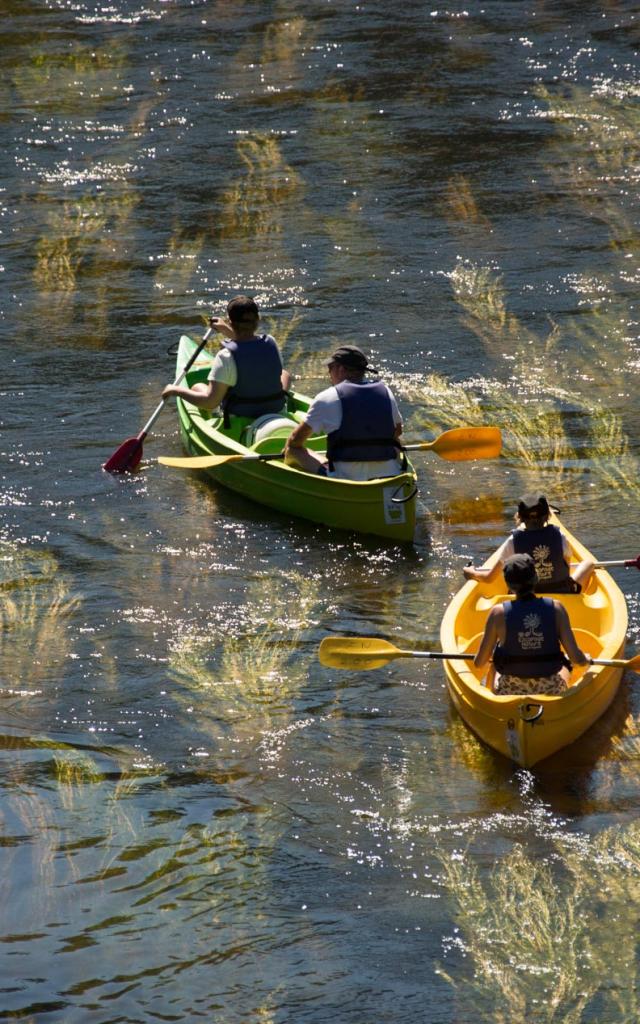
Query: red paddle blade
[
  {"x": 126, "y": 457},
  {"x": 633, "y": 563}
]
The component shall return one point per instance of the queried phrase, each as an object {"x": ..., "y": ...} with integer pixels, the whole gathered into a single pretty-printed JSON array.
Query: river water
[{"x": 197, "y": 820}]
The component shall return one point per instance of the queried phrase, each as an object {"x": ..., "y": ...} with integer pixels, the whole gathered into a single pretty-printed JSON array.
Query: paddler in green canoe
[
  {"x": 360, "y": 417},
  {"x": 247, "y": 377}
]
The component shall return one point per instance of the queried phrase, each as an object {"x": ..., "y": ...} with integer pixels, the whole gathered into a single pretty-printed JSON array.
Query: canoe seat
[
  {"x": 270, "y": 425},
  {"x": 258, "y": 434}
]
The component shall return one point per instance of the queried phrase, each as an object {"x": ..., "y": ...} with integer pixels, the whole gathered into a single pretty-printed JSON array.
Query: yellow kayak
[{"x": 525, "y": 728}]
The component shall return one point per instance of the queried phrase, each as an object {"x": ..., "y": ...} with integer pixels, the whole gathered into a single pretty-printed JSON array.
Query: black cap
[
  {"x": 519, "y": 571},
  {"x": 533, "y": 506},
  {"x": 350, "y": 356}
]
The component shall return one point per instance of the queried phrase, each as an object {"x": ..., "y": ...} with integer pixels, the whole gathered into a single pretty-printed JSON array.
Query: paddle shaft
[
  {"x": 148, "y": 425},
  {"x": 616, "y": 662},
  {"x": 367, "y": 652},
  {"x": 457, "y": 445},
  {"x": 211, "y": 461},
  {"x": 128, "y": 455},
  {"x": 627, "y": 562},
  {"x": 428, "y": 654}
]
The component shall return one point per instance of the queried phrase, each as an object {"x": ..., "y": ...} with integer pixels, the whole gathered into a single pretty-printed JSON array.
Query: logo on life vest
[
  {"x": 542, "y": 559},
  {"x": 531, "y": 638}
]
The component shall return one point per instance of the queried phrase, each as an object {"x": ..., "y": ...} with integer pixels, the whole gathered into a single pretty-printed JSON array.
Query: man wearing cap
[
  {"x": 360, "y": 418},
  {"x": 547, "y": 546},
  {"x": 523, "y": 637}
]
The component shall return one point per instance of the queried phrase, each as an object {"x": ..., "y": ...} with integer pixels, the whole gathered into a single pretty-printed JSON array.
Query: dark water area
[{"x": 197, "y": 819}]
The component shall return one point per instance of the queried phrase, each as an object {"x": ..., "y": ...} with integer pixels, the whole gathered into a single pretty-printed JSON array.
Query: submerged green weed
[
  {"x": 543, "y": 938},
  {"x": 537, "y": 418},
  {"x": 256, "y": 204},
  {"x": 252, "y": 673},
  {"x": 34, "y": 642}
]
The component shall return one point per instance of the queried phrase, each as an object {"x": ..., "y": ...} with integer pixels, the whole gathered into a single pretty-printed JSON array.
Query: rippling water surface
[{"x": 197, "y": 820}]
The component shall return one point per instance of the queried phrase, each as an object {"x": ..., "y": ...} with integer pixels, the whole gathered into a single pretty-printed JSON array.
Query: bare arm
[
  {"x": 482, "y": 574},
  {"x": 206, "y": 396},
  {"x": 486, "y": 575},
  {"x": 492, "y": 634},
  {"x": 567, "y": 639},
  {"x": 298, "y": 437}
]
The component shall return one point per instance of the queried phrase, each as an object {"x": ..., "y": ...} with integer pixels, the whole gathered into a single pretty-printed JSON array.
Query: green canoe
[{"x": 385, "y": 507}]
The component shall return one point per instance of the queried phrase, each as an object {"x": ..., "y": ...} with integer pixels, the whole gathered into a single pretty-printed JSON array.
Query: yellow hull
[{"x": 528, "y": 729}]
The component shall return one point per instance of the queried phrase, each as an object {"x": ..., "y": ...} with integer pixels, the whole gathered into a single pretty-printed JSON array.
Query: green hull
[{"x": 384, "y": 508}]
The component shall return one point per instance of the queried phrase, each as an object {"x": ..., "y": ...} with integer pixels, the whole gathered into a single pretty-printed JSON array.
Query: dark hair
[
  {"x": 520, "y": 573},
  {"x": 522, "y": 589},
  {"x": 243, "y": 310}
]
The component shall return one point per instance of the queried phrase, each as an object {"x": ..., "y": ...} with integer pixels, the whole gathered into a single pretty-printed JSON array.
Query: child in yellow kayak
[
  {"x": 547, "y": 546},
  {"x": 525, "y": 638}
]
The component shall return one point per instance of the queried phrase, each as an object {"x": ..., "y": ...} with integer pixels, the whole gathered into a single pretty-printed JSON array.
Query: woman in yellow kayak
[
  {"x": 525, "y": 638},
  {"x": 546, "y": 544}
]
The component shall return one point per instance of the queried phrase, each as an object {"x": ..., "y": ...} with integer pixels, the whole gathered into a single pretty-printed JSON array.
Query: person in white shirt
[
  {"x": 246, "y": 377},
  {"x": 361, "y": 419}
]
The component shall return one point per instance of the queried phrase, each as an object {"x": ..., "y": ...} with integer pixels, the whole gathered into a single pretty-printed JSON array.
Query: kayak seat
[
  {"x": 484, "y": 604},
  {"x": 589, "y": 642},
  {"x": 276, "y": 442},
  {"x": 468, "y": 669},
  {"x": 272, "y": 424}
]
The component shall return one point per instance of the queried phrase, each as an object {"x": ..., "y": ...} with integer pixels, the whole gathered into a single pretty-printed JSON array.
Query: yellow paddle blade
[
  {"x": 198, "y": 461},
  {"x": 357, "y": 652},
  {"x": 465, "y": 443},
  {"x": 631, "y": 664}
]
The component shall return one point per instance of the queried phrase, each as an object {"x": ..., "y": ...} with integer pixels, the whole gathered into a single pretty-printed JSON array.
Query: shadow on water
[
  {"x": 311, "y": 535},
  {"x": 577, "y": 781}
]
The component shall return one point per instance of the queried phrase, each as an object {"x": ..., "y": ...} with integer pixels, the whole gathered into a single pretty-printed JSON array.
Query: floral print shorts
[{"x": 550, "y": 685}]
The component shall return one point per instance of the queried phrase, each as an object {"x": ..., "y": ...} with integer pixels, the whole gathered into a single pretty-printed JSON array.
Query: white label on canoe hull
[{"x": 394, "y": 514}]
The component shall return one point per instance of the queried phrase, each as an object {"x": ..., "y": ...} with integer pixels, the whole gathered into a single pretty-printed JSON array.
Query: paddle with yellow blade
[
  {"x": 458, "y": 445},
  {"x": 363, "y": 652}
]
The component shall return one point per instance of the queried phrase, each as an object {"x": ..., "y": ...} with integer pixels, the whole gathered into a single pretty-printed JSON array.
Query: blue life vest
[
  {"x": 545, "y": 547},
  {"x": 258, "y": 389},
  {"x": 531, "y": 647},
  {"x": 367, "y": 428}
]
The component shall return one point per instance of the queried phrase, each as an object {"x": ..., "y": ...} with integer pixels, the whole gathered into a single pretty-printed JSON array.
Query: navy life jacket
[
  {"x": 258, "y": 389},
  {"x": 545, "y": 547},
  {"x": 532, "y": 647},
  {"x": 366, "y": 431}
]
